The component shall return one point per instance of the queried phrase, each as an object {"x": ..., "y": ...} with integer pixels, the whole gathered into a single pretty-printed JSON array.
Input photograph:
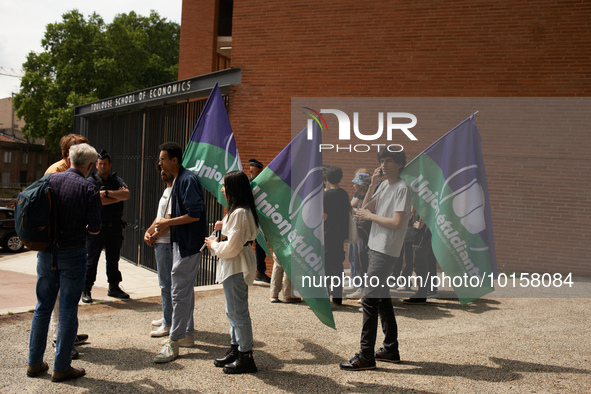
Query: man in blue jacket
[{"x": 188, "y": 227}]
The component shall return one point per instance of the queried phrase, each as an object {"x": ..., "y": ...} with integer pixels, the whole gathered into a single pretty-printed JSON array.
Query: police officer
[{"x": 113, "y": 192}]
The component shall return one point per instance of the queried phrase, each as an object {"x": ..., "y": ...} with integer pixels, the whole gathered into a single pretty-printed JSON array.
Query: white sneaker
[
  {"x": 356, "y": 295},
  {"x": 169, "y": 352},
  {"x": 161, "y": 331},
  {"x": 188, "y": 341},
  {"x": 157, "y": 323},
  {"x": 292, "y": 300}
]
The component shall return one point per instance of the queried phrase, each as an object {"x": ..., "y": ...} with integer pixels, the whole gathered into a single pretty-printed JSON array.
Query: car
[{"x": 8, "y": 238}]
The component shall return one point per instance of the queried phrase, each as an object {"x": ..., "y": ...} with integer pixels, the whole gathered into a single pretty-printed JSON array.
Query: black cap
[
  {"x": 104, "y": 155},
  {"x": 255, "y": 163}
]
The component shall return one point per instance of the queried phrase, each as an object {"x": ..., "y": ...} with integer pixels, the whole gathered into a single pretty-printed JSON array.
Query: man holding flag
[
  {"x": 188, "y": 231},
  {"x": 388, "y": 207}
]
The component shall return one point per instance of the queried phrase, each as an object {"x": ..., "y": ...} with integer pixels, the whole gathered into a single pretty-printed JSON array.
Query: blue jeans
[
  {"x": 236, "y": 292},
  {"x": 68, "y": 278},
  {"x": 163, "y": 253}
]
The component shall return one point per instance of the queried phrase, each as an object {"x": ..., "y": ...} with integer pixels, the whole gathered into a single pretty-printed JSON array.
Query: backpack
[{"x": 35, "y": 215}]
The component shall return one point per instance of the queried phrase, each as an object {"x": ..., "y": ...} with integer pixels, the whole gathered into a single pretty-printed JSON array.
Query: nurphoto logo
[{"x": 394, "y": 122}]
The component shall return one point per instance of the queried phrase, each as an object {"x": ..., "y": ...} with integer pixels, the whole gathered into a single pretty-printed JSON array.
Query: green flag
[
  {"x": 450, "y": 193},
  {"x": 211, "y": 151},
  {"x": 288, "y": 196}
]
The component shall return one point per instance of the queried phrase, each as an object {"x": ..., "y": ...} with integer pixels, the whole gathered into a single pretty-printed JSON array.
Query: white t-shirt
[
  {"x": 390, "y": 198},
  {"x": 163, "y": 211}
]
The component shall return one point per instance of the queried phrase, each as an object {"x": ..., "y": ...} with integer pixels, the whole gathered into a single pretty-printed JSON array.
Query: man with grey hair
[
  {"x": 66, "y": 142},
  {"x": 62, "y": 266}
]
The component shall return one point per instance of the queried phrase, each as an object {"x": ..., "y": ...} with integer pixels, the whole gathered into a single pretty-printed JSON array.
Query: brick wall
[
  {"x": 538, "y": 183},
  {"x": 197, "y": 47},
  {"x": 37, "y": 162}
]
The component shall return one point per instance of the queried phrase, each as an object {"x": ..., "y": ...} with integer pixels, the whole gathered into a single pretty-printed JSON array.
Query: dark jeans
[
  {"x": 68, "y": 279},
  {"x": 425, "y": 267},
  {"x": 261, "y": 255},
  {"x": 376, "y": 302},
  {"x": 334, "y": 256},
  {"x": 407, "y": 259},
  {"x": 110, "y": 238},
  {"x": 358, "y": 258}
]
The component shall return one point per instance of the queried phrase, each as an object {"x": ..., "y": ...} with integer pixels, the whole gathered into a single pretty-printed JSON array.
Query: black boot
[
  {"x": 86, "y": 296},
  {"x": 244, "y": 364},
  {"x": 115, "y": 291},
  {"x": 230, "y": 357}
]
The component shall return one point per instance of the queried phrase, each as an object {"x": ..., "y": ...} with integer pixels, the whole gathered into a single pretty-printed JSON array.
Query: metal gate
[{"x": 132, "y": 139}]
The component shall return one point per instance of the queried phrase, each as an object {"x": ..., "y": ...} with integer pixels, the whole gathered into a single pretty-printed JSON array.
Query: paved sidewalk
[
  {"x": 490, "y": 345},
  {"x": 18, "y": 277}
]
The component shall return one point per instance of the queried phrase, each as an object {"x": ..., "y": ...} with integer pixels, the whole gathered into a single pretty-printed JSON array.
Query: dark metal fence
[{"x": 132, "y": 139}]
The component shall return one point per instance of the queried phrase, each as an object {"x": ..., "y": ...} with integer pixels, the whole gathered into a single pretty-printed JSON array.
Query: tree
[{"x": 85, "y": 60}]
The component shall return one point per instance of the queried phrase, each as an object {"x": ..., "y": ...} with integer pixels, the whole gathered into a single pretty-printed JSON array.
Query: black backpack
[{"x": 35, "y": 215}]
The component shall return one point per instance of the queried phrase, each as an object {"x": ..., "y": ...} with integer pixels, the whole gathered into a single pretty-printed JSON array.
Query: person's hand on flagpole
[
  {"x": 164, "y": 224},
  {"x": 213, "y": 237},
  {"x": 363, "y": 214},
  {"x": 209, "y": 241}
]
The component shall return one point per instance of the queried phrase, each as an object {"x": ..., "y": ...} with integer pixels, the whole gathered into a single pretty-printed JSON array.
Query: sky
[{"x": 23, "y": 22}]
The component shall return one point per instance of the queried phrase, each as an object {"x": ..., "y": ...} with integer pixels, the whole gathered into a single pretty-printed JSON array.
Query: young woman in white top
[{"x": 236, "y": 269}]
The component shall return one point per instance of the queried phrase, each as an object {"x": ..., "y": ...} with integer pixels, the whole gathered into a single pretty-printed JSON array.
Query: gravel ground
[{"x": 490, "y": 345}]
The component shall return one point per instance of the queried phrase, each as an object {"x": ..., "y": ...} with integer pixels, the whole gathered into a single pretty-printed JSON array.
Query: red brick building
[
  {"x": 539, "y": 182},
  {"x": 22, "y": 160},
  {"x": 21, "y": 163}
]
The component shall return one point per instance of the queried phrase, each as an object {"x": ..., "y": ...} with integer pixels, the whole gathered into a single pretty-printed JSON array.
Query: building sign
[{"x": 172, "y": 91}]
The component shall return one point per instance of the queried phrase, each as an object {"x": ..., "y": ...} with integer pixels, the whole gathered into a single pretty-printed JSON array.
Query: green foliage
[{"x": 85, "y": 60}]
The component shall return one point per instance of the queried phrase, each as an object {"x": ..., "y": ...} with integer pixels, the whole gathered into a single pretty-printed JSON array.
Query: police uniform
[{"x": 110, "y": 238}]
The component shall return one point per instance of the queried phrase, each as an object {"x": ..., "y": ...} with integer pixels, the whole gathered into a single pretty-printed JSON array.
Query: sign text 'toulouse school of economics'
[{"x": 142, "y": 95}]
